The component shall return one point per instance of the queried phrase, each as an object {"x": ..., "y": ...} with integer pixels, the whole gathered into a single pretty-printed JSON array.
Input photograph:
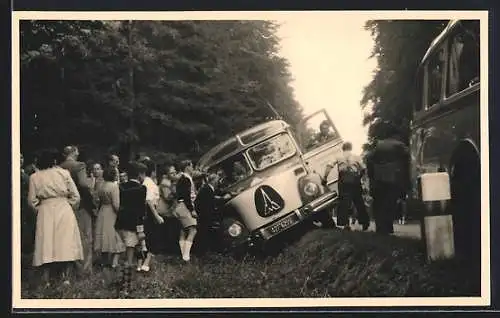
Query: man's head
[
  {"x": 388, "y": 130},
  {"x": 186, "y": 166},
  {"x": 213, "y": 179},
  {"x": 171, "y": 173},
  {"x": 324, "y": 127},
  {"x": 137, "y": 171},
  {"x": 151, "y": 169},
  {"x": 123, "y": 177},
  {"x": 71, "y": 152},
  {"x": 347, "y": 146},
  {"x": 113, "y": 160}
]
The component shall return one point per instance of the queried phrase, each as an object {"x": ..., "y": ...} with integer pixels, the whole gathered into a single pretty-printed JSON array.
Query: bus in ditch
[
  {"x": 445, "y": 129},
  {"x": 274, "y": 173}
]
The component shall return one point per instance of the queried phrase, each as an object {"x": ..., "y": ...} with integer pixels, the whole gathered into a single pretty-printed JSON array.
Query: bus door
[{"x": 320, "y": 143}]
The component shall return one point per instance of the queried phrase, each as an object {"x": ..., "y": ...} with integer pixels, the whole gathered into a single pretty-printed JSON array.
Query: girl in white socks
[{"x": 184, "y": 211}]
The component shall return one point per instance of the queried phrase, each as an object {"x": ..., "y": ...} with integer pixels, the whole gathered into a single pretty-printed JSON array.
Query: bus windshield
[
  {"x": 271, "y": 151},
  {"x": 232, "y": 170}
]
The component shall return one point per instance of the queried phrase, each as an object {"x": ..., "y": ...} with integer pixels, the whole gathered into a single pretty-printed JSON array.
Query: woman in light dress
[
  {"x": 107, "y": 241},
  {"x": 53, "y": 196},
  {"x": 167, "y": 200}
]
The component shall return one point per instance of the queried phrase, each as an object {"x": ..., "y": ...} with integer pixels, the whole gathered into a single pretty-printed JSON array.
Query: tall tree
[
  {"x": 399, "y": 48},
  {"x": 174, "y": 86}
]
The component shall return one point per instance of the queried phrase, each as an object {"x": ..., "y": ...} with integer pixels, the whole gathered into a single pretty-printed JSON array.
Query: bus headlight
[
  {"x": 235, "y": 230},
  {"x": 311, "y": 189}
]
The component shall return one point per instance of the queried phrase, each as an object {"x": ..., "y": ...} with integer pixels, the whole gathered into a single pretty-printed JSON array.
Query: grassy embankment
[{"x": 323, "y": 263}]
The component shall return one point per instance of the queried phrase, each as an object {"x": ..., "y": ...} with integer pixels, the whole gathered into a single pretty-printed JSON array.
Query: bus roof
[
  {"x": 241, "y": 141},
  {"x": 439, "y": 39}
]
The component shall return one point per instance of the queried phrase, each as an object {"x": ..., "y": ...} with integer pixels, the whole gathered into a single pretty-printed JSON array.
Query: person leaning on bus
[{"x": 351, "y": 169}]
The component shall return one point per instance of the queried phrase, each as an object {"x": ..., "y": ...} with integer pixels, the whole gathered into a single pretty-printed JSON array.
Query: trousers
[
  {"x": 85, "y": 225},
  {"x": 351, "y": 192}
]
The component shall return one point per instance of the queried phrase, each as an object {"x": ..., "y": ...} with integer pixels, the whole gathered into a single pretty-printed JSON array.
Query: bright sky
[{"x": 329, "y": 60}]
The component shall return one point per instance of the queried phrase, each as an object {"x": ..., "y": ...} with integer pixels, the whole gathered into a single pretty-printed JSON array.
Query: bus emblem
[{"x": 268, "y": 201}]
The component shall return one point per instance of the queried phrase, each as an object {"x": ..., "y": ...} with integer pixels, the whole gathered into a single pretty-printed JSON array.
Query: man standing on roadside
[
  {"x": 78, "y": 171},
  {"x": 351, "y": 169},
  {"x": 388, "y": 170}
]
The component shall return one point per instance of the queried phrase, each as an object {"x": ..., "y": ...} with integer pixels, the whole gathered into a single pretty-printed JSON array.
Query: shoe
[{"x": 145, "y": 268}]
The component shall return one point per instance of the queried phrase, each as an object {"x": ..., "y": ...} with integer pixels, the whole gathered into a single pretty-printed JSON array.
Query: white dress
[{"x": 53, "y": 194}]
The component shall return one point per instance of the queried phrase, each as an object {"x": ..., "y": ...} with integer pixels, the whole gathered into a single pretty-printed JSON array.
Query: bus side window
[
  {"x": 419, "y": 92},
  {"x": 434, "y": 70},
  {"x": 463, "y": 70}
]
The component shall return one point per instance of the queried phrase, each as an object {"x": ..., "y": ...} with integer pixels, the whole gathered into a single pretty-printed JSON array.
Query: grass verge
[{"x": 323, "y": 263}]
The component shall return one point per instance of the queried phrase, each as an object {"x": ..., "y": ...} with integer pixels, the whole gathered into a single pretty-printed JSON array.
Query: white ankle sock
[
  {"x": 187, "y": 250},
  {"x": 182, "y": 245}
]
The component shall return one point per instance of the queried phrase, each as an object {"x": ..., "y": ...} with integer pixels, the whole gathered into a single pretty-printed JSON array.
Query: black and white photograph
[{"x": 250, "y": 159}]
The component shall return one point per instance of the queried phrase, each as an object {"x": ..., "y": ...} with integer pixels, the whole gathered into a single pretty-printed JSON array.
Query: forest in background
[
  {"x": 171, "y": 88},
  {"x": 399, "y": 46},
  {"x": 176, "y": 88}
]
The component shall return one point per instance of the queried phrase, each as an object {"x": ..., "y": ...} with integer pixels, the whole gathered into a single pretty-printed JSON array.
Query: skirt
[
  {"x": 184, "y": 216},
  {"x": 107, "y": 239},
  {"x": 57, "y": 236}
]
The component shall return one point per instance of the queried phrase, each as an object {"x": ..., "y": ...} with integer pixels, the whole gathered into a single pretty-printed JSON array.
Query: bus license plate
[{"x": 283, "y": 224}]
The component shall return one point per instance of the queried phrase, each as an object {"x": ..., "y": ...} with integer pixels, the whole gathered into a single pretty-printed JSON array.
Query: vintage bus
[
  {"x": 445, "y": 130},
  {"x": 274, "y": 173}
]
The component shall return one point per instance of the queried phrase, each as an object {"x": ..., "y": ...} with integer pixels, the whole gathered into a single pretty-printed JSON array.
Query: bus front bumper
[{"x": 293, "y": 218}]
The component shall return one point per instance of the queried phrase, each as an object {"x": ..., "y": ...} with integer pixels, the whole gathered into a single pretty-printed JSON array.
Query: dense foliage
[
  {"x": 176, "y": 87},
  {"x": 399, "y": 48}
]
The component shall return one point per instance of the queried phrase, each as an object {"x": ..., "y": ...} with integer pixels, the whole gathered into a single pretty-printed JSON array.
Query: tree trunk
[{"x": 131, "y": 145}]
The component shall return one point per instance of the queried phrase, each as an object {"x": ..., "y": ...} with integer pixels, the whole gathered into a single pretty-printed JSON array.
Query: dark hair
[
  {"x": 90, "y": 164},
  {"x": 109, "y": 174},
  {"x": 347, "y": 146},
  {"x": 150, "y": 165},
  {"x": 184, "y": 164},
  {"x": 110, "y": 156},
  {"x": 135, "y": 168},
  {"x": 325, "y": 123},
  {"x": 48, "y": 158},
  {"x": 387, "y": 129}
]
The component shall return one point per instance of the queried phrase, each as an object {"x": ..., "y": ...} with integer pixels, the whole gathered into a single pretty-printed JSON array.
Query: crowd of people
[{"x": 76, "y": 216}]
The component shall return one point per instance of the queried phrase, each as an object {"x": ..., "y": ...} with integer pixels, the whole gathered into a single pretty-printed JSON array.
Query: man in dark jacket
[
  {"x": 207, "y": 205},
  {"x": 78, "y": 171},
  {"x": 388, "y": 170},
  {"x": 130, "y": 219}
]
